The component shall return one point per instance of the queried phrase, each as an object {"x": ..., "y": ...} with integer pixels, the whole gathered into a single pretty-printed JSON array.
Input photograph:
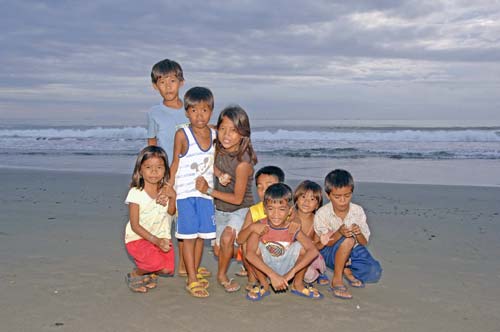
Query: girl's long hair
[
  {"x": 145, "y": 154},
  {"x": 240, "y": 119}
]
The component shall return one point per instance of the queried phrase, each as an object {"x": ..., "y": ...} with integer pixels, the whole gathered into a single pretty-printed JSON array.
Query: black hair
[
  {"x": 145, "y": 154},
  {"x": 338, "y": 178},
  {"x": 237, "y": 115},
  {"x": 165, "y": 67},
  {"x": 278, "y": 192},
  {"x": 272, "y": 171},
  {"x": 196, "y": 95}
]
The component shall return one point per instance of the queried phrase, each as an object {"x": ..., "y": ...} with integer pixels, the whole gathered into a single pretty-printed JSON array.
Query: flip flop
[
  {"x": 150, "y": 280},
  {"x": 309, "y": 292},
  {"x": 258, "y": 293},
  {"x": 251, "y": 285},
  {"x": 203, "y": 282},
  {"x": 323, "y": 280},
  {"x": 356, "y": 283},
  {"x": 340, "y": 288},
  {"x": 136, "y": 284},
  {"x": 197, "y": 290},
  {"x": 230, "y": 286},
  {"x": 242, "y": 272},
  {"x": 204, "y": 272}
]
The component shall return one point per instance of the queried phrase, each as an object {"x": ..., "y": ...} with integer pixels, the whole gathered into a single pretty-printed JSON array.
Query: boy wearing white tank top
[{"x": 194, "y": 157}]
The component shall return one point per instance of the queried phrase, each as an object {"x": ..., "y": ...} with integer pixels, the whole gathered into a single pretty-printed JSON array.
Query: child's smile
[
  {"x": 228, "y": 135},
  {"x": 277, "y": 212},
  {"x": 307, "y": 203}
]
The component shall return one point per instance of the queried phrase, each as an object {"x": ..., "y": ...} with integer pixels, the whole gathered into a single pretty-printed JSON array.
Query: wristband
[{"x": 209, "y": 191}]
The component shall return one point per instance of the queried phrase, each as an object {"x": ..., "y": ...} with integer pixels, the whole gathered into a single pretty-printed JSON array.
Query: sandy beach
[{"x": 63, "y": 264}]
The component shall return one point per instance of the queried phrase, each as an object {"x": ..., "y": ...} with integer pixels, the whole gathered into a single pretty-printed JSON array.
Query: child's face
[
  {"x": 168, "y": 86},
  {"x": 277, "y": 212},
  {"x": 199, "y": 115},
  {"x": 340, "y": 198},
  {"x": 263, "y": 182},
  {"x": 307, "y": 202},
  {"x": 153, "y": 170},
  {"x": 228, "y": 135}
]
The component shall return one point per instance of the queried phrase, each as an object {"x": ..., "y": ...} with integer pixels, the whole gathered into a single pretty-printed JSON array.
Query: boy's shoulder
[
  {"x": 257, "y": 211},
  {"x": 356, "y": 208},
  {"x": 327, "y": 208}
]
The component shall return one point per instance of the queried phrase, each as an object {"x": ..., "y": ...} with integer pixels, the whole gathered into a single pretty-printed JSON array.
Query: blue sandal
[
  {"x": 257, "y": 293},
  {"x": 309, "y": 292},
  {"x": 323, "y": 280}
]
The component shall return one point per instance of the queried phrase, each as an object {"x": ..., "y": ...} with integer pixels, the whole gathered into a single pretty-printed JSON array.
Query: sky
[{"x": 90, "y": 62}]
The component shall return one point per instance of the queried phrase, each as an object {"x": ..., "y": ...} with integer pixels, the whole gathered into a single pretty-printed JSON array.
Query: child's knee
[
  {"x": 227, "y": 237},
  {"x": 166, "y": 271},
  {"x": 348, "y": 242}
]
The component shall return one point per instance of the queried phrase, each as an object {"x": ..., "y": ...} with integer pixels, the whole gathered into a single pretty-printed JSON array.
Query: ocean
[{"x": 372, "y": 152}]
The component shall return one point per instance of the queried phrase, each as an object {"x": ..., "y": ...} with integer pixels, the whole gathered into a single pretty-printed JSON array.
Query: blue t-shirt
[{"x": 163, "y": 123}]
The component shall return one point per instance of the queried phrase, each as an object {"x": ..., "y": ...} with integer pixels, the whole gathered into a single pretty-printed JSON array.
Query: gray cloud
[{"x": 399, "y": 59}]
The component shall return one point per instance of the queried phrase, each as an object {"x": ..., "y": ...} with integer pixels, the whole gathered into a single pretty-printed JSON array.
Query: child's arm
[
  {"x": 133, "y": 210},
  {"x": 172, "y": 203},
  {"x": 356, "y": 230},
  {"x": 246, "y": 231},
  {"x": 310, "y": 254},
  {"x": 278, "y": 282},
  {"x": 332, "y": 237},
  {"x": 243, "y": 171},
  {"x": 180, "y": 146}
]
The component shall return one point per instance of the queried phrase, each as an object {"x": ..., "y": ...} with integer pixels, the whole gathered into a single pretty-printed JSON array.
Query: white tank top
[{"x": 193, "y": 163}]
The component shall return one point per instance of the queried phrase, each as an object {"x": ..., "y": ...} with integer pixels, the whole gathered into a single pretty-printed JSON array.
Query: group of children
[{"x": 286, "y": 240}]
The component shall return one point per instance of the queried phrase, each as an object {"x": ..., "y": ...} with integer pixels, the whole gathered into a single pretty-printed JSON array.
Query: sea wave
[
  {"x": 318, "y": 134},
  {"x": 349, "y": 143}
]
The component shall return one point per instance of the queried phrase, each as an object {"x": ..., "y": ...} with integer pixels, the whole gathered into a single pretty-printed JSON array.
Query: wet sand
[{"x": 63, "y": 264}]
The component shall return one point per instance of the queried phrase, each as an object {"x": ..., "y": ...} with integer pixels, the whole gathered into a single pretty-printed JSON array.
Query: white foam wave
[
  {"x": 374, "y": 135},
  {"x": 336, "y": 135},
  {"x": 97, "y": 132}
]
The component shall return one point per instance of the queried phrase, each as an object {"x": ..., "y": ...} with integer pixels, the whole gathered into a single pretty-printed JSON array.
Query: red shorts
[{"x": 149, "y": 257}]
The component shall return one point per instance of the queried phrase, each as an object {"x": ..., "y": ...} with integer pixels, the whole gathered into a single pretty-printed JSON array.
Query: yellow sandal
[{"x": 197, "y": 290}]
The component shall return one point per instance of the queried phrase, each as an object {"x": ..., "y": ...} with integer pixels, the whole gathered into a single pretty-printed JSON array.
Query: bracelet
[{"x": 209, "y": 191}]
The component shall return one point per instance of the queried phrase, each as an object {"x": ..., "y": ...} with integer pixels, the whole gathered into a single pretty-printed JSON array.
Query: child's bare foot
[
  {"x": 351, "y": 279},
  {"x": 341, "y": 292},
  {"x": 150, "y": 280},
  {"x": 135, "y": 283}
]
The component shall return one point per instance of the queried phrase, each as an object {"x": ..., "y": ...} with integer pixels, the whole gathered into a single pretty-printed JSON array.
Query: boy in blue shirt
[{"x": 163, "y": 122}]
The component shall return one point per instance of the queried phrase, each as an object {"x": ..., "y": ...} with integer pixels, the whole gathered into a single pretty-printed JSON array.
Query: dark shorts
[{"x": 363, "y": 266}]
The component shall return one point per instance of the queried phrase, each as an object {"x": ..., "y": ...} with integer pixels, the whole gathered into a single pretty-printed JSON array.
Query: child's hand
[
  {"x": 201, "y": 184},
  {"x": 325, "y": 238},
  {"x": 278, "y": 282},
  {"x": 165, "y": 245},
  {"x": 224, "y": 179},
  {"x": 356, "y": 230},
  {"x": 260, "y": 229},
  {"x": 345, "y": 231},
  {"x": 164, "y": 195}
]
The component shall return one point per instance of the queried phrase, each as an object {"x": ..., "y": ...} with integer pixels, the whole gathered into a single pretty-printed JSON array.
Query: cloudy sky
[{"x": 87, "y": 62}]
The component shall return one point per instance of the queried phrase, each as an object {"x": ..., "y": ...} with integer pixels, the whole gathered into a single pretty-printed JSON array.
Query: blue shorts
[
  {"x": 195, "y": 218},
  {"x": 363, "y": 266}
]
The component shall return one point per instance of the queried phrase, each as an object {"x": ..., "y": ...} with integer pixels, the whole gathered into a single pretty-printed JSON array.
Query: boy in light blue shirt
[{"x": 164, "y": 119}]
